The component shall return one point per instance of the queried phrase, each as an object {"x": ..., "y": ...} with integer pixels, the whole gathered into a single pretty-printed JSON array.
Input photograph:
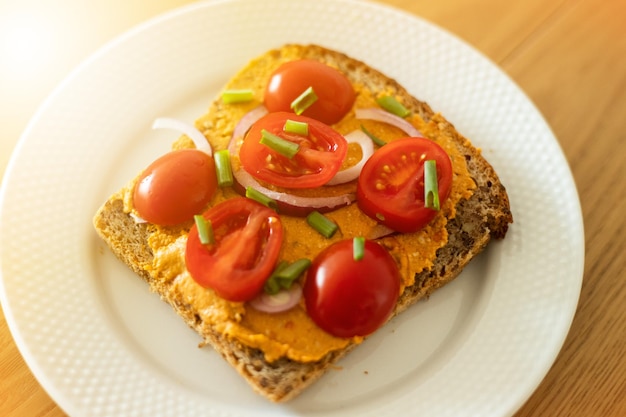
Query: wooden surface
[{"x": 569, "y": 56}]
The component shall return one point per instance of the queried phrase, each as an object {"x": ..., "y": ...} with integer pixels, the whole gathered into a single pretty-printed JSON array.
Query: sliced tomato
[
  {"x": 175, "y": 187},
  {"x": 248, "y": 238},
  {"x": 319, "y": 158},
  {"x": 334, "y": 91},
  {"x": 348, "y": 297},
  {"x": 390, "y": 188}
]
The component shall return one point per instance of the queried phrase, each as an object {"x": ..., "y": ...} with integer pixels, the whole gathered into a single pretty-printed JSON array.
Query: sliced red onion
[
  {"x": 201, "y": 143},
  {"x": 248, "y": 120},
  {"x": 246, "y": 180},
  {"x": 367, "y": 148},
  {"x": 379, "y": 231},
  {"x": 138, "y": 219},
  {"x": 381, "y": 115},
  {"x": 282, "y": 301}
]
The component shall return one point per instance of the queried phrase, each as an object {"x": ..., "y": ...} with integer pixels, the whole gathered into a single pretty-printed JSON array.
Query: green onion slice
[
  {"x": 299, "y": 128},
  {"x": 304, "y": 101},
  {"x": 358, "y": 248},
  {"x": 374, "y": 139},
  {"x": 285, "y": 275},
  {"x": 259, "y": 197},
  {"x": 290, "y": 273},
  {"x": 325, "y": 226},
  {"x": 393, "y": 106},
  {"x": 237, "y": 96},
  {"x": 272, "y": 286},
  {"x": 205, "y": 230},
  {"x": 223, "y": 169},
  {"x": 278, "y": 144},
  {"x": 431, "y": 188}
]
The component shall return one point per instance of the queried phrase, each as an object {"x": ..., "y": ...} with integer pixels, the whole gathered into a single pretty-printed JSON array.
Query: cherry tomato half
[
  {"x": 175, "y": 187},
  {"x": 248, "y": 237},
  {"x": 334, "y": 91},
  {"x": 346, "y": 297},
  {"x": 318, "y": 160},
  {"x": 390, "y": 188}
]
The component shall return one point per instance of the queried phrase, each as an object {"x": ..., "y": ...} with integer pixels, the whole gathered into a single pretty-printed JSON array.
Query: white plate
[{"x": 102, "y": 345}]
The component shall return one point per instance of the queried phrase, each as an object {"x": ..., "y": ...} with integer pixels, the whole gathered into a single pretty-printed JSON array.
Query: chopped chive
[
  {"x": 431, "y": 189},
  {"x": 358, "y": 248},
  {"x": 285, "y": 274},
  {"x": 222, "y": 168},
  {"x": 272, "y": 286},
  {"x": 393, "y": 106},
  {"x": 259, "y": 197},
  {"x": 322, "y": 224},
  {"x": 304, "y": 101},
  {"x": 374, "y": 139},
  {"x": 299, "y": 128},
  {"x": 205, "y": 230},
  {"x": 290, "y": 273},
  {"x": 237, "y": 96},
  {"x": 280, "y": 145}
]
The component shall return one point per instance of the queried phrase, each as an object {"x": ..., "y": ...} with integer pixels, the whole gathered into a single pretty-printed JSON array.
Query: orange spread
[{"x": 293, "y": 334}]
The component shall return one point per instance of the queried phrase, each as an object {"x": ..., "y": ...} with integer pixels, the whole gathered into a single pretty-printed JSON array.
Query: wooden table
[{"x": 569, "y": 56}]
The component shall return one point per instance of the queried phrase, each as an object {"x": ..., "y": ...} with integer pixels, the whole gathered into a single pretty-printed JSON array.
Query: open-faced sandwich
[{"x": 314, "y": 200}]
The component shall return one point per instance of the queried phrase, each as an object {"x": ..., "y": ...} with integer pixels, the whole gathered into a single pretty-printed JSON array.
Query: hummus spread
[{"x": 292, "y": 334}]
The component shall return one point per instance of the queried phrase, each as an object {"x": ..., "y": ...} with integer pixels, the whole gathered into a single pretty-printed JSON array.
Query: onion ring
[
  {"x": 248, "y": 120},
  {"x": 275, "y": 303},
  {"x": 201, "y": 143},
  {"x": 380, "y": 230},
  {"x": 138, "y": 219},
  {"x": 381, "y": 115},
  {"x": 352, "y": 173},
  {"x": 246, "y": 180}
]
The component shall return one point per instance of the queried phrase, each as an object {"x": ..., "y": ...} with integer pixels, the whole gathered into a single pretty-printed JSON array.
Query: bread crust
[{"x": 484, "y": 216}]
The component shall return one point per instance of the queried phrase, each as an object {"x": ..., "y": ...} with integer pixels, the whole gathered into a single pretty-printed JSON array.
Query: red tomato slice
[
  {"x": 175, "y": 187},
  {"x": 390, "y": 188},
  {"x": 318, "y": 160},
  {"x": 346, "y": 297},
  {"x": 334, "y": 91},
  {"x": 248, "y": 238}
]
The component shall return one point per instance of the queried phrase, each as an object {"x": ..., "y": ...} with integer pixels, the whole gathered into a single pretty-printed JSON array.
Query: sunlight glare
[{"x": 27, "y": 44}]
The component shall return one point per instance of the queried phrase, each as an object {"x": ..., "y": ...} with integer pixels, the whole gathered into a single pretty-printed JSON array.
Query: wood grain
[{"x": 569, "y": 56}]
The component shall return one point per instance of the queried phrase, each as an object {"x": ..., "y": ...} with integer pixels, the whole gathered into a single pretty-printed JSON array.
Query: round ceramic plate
[{"x": 102, "y": 345}]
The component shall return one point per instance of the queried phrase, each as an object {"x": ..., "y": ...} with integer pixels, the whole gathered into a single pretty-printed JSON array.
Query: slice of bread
[{"x": 479, "y": 218}]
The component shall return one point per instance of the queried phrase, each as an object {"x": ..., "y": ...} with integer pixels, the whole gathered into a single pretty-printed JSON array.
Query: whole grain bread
[{"x": 485, "y": 215}]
